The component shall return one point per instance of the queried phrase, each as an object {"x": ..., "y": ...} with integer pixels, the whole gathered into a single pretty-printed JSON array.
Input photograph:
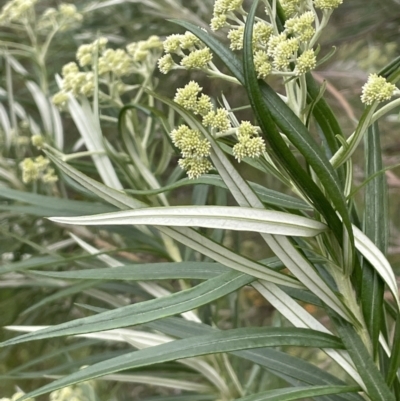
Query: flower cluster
[
  {"x": 301, "y": 26},
  {"x": 327, "y": 4},
  {"x": 37, "y": 169},
  {"x": 188, "y": 97},
  {"x": 274, "y": 53},
  {"x": 223, "y": 10},
  {"x": 142, "y": 50},
  {"x": 194, "y": 54},
  {"x": 377, "y": 89},
  {"x": 75, "y": 82},
  {"x": 194, "y": 149},
  {"x": 16, "y": 11},
  {"x": 249, "y": 143},
  {"x": 64, "y": 17},
  {"x": 112, "y": 64},
  {"x": 262, "y": 32},
  {"x": 291, "y": 7},
  {"x": 86, "y": 53}
]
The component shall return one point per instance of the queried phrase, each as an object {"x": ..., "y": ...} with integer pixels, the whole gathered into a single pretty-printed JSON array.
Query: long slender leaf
[
  {"x": 67, "y": 206},
  {"x": 376, "y": 228},
  {"x": 148, "y": 271},
  {"x": 90, "y": 131},
  {"x": 222, "y": 217},
  {"x": 375, "y": 384},
  {"x": 394, "y": 363},
  {"x": 324, "y": 116},
  {"x": 293, "y": 370},
  {"x": 266, "y": 195},
  {"x": 145, "y": 311},
  {"x": 377, "y": 259},
  {"x": 289, "y": 394},
  {"x": 186, "y": 236},
  {"x": 245, "y": 197},
  {"x": 224, "y": 341}
]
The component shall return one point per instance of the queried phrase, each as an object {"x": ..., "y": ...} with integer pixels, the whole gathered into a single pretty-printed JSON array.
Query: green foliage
[{"x": 140, "y": 278}]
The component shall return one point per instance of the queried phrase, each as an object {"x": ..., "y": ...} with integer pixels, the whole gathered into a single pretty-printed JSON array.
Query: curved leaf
[
  {"x": 147, "y": 271},
  {"x": 378, "y": 261},
  {"x": 224, "y": 341},
  {"x": 266, "y": 195},
  {"x": 292, "y": 369},
  {"x": 290, "y": 394},
  {"x": 223, "y": 217},
  {"x": 144, "y": 311}
]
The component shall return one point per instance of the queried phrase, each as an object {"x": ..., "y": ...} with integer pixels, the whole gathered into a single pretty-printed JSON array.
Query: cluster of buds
[
  {"x": 249, "y": 142},
  {"x": 194, "y": 148},
  {"x": 291, "y": 7},
  {"x": 37, "y": 169},
  {"x": 16, "y": 11},
  {"x": 75, "y": 82},
  {"x": 275, "y": 53},
  {"x": 189, "y": 98},
  {"x": 112, "y": 64},
  {"x": 223, "y": 11},
  {"x": 193, "y": 53},
  {"x": 64, "y": 17},
  {"x": 377, "y": 89}
]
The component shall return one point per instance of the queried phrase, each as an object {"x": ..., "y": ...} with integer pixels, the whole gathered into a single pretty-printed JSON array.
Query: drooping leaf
[
  {"x": 144, "y": 311},
  {"x": 266, "y": 195},
  {"x": 224, "y": 341},
  {"x": 222, "y": 217},
  {"x": 289, "y": 394},
  {"x": 292, "y": 369}
]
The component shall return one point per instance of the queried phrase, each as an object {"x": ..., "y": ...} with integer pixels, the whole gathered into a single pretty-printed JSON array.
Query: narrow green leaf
[
  {"x": 90, "y": 130},
  {"x": 147, "y": 271},
  {"x": 390, "y": 69},
  {"x": 186, "y": 236},
  {"x": 394, "y": 362},
  {"x": 65, "y": 292},
  {"x": 110, "y": 195},
  {"x": 378, "y": 261},
  {"x": 67, "y": 207},
  {"x": 224, "y": 341},
  {"x": 293, "y": 370},
  {"x": 375, "y": 384},
  {"x": 376, "y": 228},
  {"x": 324, "y": 116},
  {"x": 144, "y": 311},
  {"x": 222, "y": 217},
  {"x": 31, "y": 263},
  {"x": 290, "y": 394},
  {"x": 266, "y": 195}
]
